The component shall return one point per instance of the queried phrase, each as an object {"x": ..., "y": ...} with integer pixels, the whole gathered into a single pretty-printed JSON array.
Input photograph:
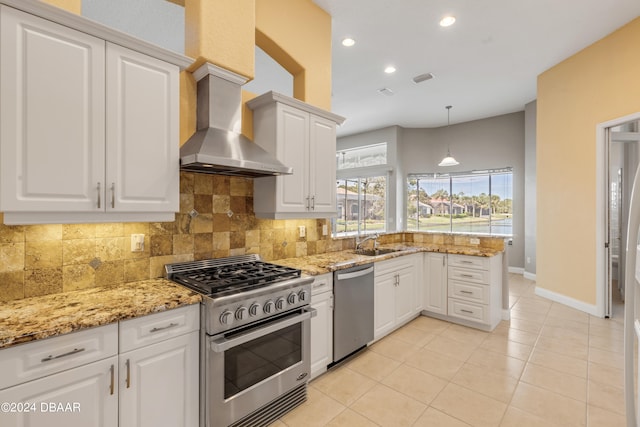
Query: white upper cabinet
[
  {"x": 89, "y": 129},
  {"x": 303, "y": 137}
]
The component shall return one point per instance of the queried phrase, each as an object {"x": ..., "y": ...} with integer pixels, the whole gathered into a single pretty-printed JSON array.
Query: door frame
[{"x": 602, "y": 191}]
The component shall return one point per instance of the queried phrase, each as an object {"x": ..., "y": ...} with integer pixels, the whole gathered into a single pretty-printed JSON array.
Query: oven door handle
[{"x": 220, "y": 345}]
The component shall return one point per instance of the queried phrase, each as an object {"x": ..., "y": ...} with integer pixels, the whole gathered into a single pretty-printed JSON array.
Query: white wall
[
  {"x": 490, "y": 143},
  {"x": 530, "y": 190}
]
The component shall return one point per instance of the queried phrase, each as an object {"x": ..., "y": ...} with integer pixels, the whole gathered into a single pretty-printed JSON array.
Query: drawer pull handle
[
  {"x": 466, "y": 275},
  {"x": 111, "y": 388},
  {"x": 51, "y": 357},
  {"x": 99, "y": 204},
  {"x": 170, "y": 325},
  {"x": 466, "y": 262},
  {"x": 466, "y": 292},
  {"x": 466, "y": 311}
]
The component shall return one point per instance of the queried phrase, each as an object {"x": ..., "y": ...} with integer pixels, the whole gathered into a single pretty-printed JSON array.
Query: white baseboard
[
  {"x": 530, "y": 276},
  {"x": 568, "y": 301},
  {"x": 516, "y": 270},
  {"x": 506, "y": 314}
]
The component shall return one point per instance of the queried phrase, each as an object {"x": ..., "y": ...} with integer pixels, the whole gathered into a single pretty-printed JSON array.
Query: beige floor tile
[
  {"x": 373, "y": 365},
  {"x": 559, "y": 362},
  {"x": 598, "y": 417},
  {"x": 318, "y": 410},
  {"x": 469, "y": 406},
  {"x": 531, "y": 316},
  {"x": 415, "y": 383},
  {"x": 600, "y": 330},
  {"x": 501, "y": 344},
  {"x": 413, "y": 336},
  {"x": 565, "y": 312},
  {"x": 489, "y": 382},
  {"x": 434, "y": 363},
  {"x": 388, "y": 407},
  {"x": 500, "y": 362},
  {"x": 526, "y": 325},
  {"x": 349, "y": 418},
  {"x": 344, "y": 385},
  {"x": 566, "y": 335},
  {"x": 429, "y": 324},
  {"x": 607, "y": 343},
  {"x": 559, "y": 382},
  {"x": 606, "y": 397},
  {"x": 394, "y": 348},
  {"x": 451, "y": 348},
  {"x": 465, "y": 334},
  {"x": 571, "y": 325},
  {"x": 515, "y": 417},
  {"x": 606, "y": 375},
  {"x": 608, "y": 358},
  {"x": 579, "y": 351},
  {"x": 550, "y": 406},
  {"x": 606, "y": 323},
  {"x": 277, "y": 423},
  {"x": 434, "y": 418},
  {"x": 533, "y": 305}
]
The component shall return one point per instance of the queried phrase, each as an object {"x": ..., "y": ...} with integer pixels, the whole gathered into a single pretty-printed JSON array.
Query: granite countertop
[
  {"x": 35, "y": 318},
  {"x": 314, "y": 265}
]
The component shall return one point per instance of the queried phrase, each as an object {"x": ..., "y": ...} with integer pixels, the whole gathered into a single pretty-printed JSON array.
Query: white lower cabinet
[
  {"x": 398, "y": 292},
  {"x": 435, "y": 278},
  {"x": 322, "y": 324},
  {"x": 80, "y": 380}
]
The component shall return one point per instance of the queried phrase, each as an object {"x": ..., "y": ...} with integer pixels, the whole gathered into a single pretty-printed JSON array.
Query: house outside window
[
  {"x": 478, "y": 202},
  {"x": 361, "y": 190}
]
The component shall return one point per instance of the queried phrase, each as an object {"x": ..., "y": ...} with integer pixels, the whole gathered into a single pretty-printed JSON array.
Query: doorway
[{"x": 622, "y": 151}]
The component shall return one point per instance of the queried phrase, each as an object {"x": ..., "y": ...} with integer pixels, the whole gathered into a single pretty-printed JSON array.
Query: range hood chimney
[{"x": 218, "y": 147}]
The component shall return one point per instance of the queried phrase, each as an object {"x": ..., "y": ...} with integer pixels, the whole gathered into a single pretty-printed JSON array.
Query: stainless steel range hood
[{"x": 218, "y": 147}]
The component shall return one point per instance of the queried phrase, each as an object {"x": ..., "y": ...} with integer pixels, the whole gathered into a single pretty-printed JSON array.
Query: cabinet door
[
  {"x": 293, "y": 150},
  {"x": 159, "y": 384},
  {"x": 384, "y": 297},
  {"x": 322, "y": 165},
  {"x": 435, "y": 272},
  {"x": 81, "y": 397},
  {"x": 405, "y": 293},
  {"x": 321, "y": 333},
  {"x": 51, "y": 115},
  {"x": 142, "y": 133}
]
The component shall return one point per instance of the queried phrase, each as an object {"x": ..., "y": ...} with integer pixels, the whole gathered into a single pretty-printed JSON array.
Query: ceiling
[{"x": 485, "y": 65}]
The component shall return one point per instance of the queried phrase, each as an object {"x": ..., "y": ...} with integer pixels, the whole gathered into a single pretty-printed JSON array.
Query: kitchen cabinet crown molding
[
  {"x": 88, "y": 26},
  {"x": 271, "y": 96}
]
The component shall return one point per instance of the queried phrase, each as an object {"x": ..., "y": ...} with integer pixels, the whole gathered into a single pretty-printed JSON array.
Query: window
[
  {"x": 361, "y": 190},
  {"x": 478, "y": 202}
]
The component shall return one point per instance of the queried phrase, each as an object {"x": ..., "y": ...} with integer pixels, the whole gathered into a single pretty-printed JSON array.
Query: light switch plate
[{"x": 302, "y": 230}]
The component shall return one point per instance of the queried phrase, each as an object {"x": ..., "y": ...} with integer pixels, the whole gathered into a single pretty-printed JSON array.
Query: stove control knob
[
  {"x": 242, "y": 313},
  {"x": 269, "y": 307},
  {"x": 292, "y": 298},
  {"x": 226, "y": 318},
  {"x": 280, "y": 302},
  {"x": 303, "y": 295},
  {"x": 253, "y": 310}
]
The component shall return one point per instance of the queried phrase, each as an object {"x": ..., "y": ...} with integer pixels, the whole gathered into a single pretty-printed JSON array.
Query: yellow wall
[
  {"x": 598, "y": 84},
  {"x": 74, "y": 6}
]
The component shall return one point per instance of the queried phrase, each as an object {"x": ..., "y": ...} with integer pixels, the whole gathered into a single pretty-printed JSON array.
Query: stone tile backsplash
[{"x": 216, "y": 220}]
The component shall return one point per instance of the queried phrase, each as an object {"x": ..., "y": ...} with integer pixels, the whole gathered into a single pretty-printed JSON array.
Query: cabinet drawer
[
  {"x": 48, "y": 356},
  {"x": 322, "y": 283},
  {"x": 394, "y": 264},
  {"x": 468, "y": 310},
  {"x": 467, "y": 261},
  {"x": 468, "y": 275},
  {"x": 158, "y": 327},
  {"x": 469, "y": 292}
]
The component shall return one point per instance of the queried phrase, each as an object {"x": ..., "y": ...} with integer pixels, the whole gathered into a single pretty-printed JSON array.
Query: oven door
[{"x": 248, "y": 368}]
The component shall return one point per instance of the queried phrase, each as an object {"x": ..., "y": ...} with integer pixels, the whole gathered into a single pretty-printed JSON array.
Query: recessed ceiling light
[
  {"x": 390, "y": 69},
  {"x": 447, "y": 21},
  {"x": 348, "y": 42}
]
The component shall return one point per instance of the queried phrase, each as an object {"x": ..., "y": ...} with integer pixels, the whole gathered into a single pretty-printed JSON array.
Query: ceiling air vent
[
  {"x": 423, "y": 77},
  {"x": 386, "y": 91}
]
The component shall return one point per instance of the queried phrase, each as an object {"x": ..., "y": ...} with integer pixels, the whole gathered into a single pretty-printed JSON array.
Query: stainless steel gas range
[{"x": 255, "y": 344}]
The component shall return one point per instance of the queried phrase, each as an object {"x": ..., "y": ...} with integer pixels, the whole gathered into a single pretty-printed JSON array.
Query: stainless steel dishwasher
[{"x": 353, "y": 310}]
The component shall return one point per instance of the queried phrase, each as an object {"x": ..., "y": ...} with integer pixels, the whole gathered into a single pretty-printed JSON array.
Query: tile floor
[{"x": 549, "y": 366}]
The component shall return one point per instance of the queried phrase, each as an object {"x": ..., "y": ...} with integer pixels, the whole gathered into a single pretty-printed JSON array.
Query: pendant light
[{"x": 449, "y": 160}]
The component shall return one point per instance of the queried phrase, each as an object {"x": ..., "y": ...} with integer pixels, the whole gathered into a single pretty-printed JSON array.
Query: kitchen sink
[{"x": 375, "y": 252}]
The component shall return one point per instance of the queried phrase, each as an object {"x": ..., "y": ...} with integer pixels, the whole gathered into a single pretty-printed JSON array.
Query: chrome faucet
[{"x": 373, "y": 237}]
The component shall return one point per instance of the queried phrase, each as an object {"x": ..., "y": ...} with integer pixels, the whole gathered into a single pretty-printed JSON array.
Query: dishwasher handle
[{"x": 353, "y": 275}]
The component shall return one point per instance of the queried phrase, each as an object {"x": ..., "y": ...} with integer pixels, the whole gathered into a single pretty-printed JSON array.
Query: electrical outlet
[
  {"x": 302, "y": 230},
  {"x": 137, "y": 243},
  {"x": 474, "y": 241},
  {"x": 325, "y": 229}
]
